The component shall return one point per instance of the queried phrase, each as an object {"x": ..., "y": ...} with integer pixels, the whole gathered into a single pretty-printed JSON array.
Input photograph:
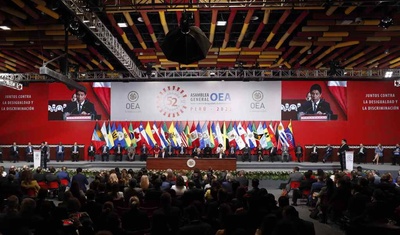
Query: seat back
[
  {"x": 52, "y": 185},
  {"x": 42, "y": 184},
  {"x": 294, "y": 184},
  {"x": 64, "y": 182}
]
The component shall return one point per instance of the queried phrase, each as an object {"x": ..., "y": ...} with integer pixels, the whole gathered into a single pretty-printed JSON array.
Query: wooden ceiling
[{"x": 262, "y": 34}]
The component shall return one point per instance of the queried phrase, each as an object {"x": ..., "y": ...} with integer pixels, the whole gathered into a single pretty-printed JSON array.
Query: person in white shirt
[{"x": 220, "y": 151}]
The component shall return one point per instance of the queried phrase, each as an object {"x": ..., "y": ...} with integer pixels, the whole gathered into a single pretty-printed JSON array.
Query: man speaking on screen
[
  {"x": 315, "y": 106},
  {"x": 80, "y": 107}
]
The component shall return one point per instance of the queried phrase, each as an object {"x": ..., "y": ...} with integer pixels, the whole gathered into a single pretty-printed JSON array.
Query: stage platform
[{"x": 248, "y": 166}]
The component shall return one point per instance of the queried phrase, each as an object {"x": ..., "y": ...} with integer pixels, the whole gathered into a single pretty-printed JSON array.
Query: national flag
[
  {"x": 120, "y": 137},
  {"x": 132, "y": 135},
  {"x": 114, "y": 133},
  {"x": 171, "y": 135},
  {"x": 242, "y": 132},
  {"x": 338, "y": 90},
  {"x": 156, "y": 135},
  {"x": 282, "y": 136},
  {"x": 213, "y": 136},
  {"x": 103, "y": 92},
  {"x": 110, "y": 137},
  {"x": 149, "y": 135},
  {"x": 239, "y": 141},
  {"x": 250, "y": 136},
  {"x": 194, "y": 136},
  {"x": 127, "y": 137},
  {"x": 200, "y": 136},
  {"x": 205, "y": 134},
  {"x": 183, "y": 135},
  {"x": 231, "y": 134},
  {"x": 163, "y": 130},
  {"x": 265, "y": 140},
  {"x": 99, "y": 133},
  {"x": 290, "y": 136},
  {"x": 177, "y": 134},
  {"x": 96, "y": 140},
  {"x": 219, "y": 136},
  {"x": 105, "y": 135},
  {"x": 143, "y": 135},
  {"x": 272, "y": 134},
  {"x": 224, "y": 135}
]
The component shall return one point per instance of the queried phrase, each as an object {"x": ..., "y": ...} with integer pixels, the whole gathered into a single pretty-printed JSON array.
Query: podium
[
  {"x": 349, "y": 160},
  {"x": 313, "y": 117},
  {"x": 78, "y": 118},
  {"x": 36, "y": 158}
]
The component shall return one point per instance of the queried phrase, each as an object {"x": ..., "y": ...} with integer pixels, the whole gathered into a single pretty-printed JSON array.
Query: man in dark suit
[
  {"x": 29, "y": 152},
  {"x": 272, "y": 153},
  {"x": 292, "y": 224},
  {"x": 246, "y": 154},
  {"x": 43, "y": 157},
  {"x": 1, "y": 155},
  {"x": 80, "y": 179},
  {"x": 118, "y": 152},
  {"x": 207, "y": 151},
  {"x": 314, "y": 154},
  {"x": 143, "y": 153},
  {"x": 181, "y": 150},
  {"x": 80, "y": 107},
  {"x": 166, "y": 220},
  {"x": 75, "y": 152},
  {"x": 60, "y": 152},
  {"x": 328, "y": 153},
  {"x": 361, "y": 154},
  {"x": 316, "y": 106},
  {"x": 299, "y": 152},
  {"x": 232, "y": 151},
  {"x": 396, "y": 155},
  {"x": 342, "y": 154},
  {"x": 169, "y": 151},
  {"x": 14, "y": 152},
  {"x": 91, "y": 152},
  {"x": 105, "y": 153}
]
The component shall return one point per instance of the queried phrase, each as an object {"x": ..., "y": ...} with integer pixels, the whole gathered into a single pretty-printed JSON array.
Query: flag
[
  {"x": 183, "y": 135},
  {"x": 272, "y": 131},
  {"x": 282, "y": 136},
  {"x": 231, "y": 134},
  {"x": 177, "y": 134},
  {"x": 265, "y": 140},
  {"x": 110, "y": 137},
  {"x": 99, "y": 133},
  {"x": 156, "y": 135},
  {"x": 205, "y": 134},
  {"x": 250, "y": 136},
  {"x": 224, "y": 136},
  {"x": 239, "y": 141},
  {"x": 338, "y": 90},
  {"x": 103, "y": 92},
  {"x": 126, "y": 136},
  {"x": 219, "y": 136},
  {"x": 149, "y": 135},
  {"x": 187, "y": 134},
  {"x": 120, "y": 136},
  {"x": 143, "y": 135},
  {"x": 96, "y": 140},
  {"x": 194, "y": 136},
  {"x": 242, "y": 133},
  {"x": 114, "y": 134},
  {"x": 163, "y": 137},
  {"x": 105, "y": 135},
  {"x": 200, "y": 136},
  {"x": 213, "y": 136},
  {"x": 290, "y": 136},
  {"x": 171, "y": 135},
  {"x": 132, "y": 135}
]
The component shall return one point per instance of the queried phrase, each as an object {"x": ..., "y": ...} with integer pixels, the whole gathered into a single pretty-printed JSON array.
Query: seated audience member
[
  {"x": 328, "y": 153},
  {"x": 295, "y": 176},
  {"x": 292, "y": 224},
  {"x": 179, "y": 186},
  {"x": 396, "y": 155},
  {"x": 30, "y": 186},
  {"x": 305, "y": 185},
  {"x": 166, "y": 219},
  {"x": 362, "y": 151},
  {"x": 314, "y": 154},
  {"x": 134, "y": 219},
  {"x": 378, "y": 154}
]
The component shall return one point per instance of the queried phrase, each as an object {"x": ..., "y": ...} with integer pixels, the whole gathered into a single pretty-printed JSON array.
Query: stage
[{"x": 247, "y": 166}]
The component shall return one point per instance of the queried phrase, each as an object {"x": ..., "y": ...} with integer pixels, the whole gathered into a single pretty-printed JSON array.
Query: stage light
[
  {"x": 388, "y": 74},
  {"x": 386, "y": 22},
  {"x": 74, "y": 24}
]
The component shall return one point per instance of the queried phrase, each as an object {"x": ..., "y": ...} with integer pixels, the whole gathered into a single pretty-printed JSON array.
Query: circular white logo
[
  {"x": 191, "y": 163},
  {"x": 257, "y": 95},
  {"x": 171, "y": 101},
  {"x": 133, "y": 96}
]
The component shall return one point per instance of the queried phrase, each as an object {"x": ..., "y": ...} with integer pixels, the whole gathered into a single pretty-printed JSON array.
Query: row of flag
[{"x": 178, "y": 134}]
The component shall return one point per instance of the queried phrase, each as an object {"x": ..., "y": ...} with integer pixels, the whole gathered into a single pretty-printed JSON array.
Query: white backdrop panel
[{"x": 181, "y": 101}]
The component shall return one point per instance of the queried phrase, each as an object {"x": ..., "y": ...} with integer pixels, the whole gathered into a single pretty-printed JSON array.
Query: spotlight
[
  {"x": 74, "y": 24},
  {"x": 397, "y": 83},
  {"x": 386, "y": 22},
  {"x": 388, "y": 74}
]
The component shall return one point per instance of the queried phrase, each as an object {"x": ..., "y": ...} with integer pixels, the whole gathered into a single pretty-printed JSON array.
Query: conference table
[{"x": 180, "y": 163}]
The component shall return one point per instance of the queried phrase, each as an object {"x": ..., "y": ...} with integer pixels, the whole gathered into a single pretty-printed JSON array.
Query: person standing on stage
[
  {"x": 299, "y": 152},
  {"x": 60, "y": 152},
  {"x": 48, "y": 151},
  {"x": 328, "y": 153},
  {"x": 29, "y": 152},
  {"x": 156, "y": 150},
  {"x": 91, "y": 152},
  {"x": 118, "y": 152},
  {"x": 143, "y": 153},
  {"x": 220, "y": 151},
  {"x": 342, "y": 154},
  {"x": 43, "y": 157},
  {"x": 131, "y": 153},
  {"x": 260, "y": 153},
  {"x": 75, "y": 152},
  {"x": 14, "y": 152},
  {"x": 246, "y": 154},
  {"x": 105, "y": 153}
]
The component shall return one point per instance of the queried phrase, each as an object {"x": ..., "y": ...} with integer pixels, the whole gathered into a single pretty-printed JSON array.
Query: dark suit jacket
[
  {"x": 87, "y": 107},
  {"x": 12, "y": 152},
  {"x": 342, "y": 150},
  {"x": 323, "y": 107},
  {"x": 107, "y": 149},
  {"x": 72, "y": 148},
  {"x": 120, "y": 150},
  {"x": 91, "y": 152},
  {"x": 81, "y": 180},
  {"x": 27, "y": 150},
  {"x": 179, "y": 149}
]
